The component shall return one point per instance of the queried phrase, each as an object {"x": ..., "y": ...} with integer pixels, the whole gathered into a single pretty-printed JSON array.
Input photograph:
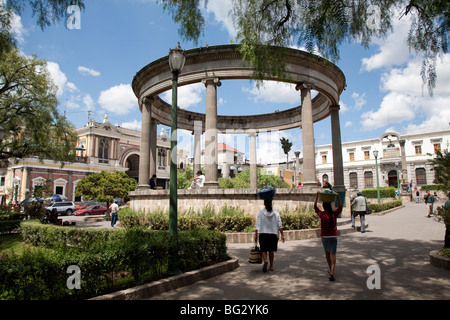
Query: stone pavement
[{"x": 398, "y": 243}]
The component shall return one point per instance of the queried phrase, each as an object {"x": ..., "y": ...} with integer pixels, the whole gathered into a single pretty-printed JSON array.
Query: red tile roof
[{"x": 223, "y": 146}]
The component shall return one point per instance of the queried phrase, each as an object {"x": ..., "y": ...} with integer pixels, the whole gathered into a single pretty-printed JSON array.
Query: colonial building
[
  {"x": 230, "y": 161},
  {"x": 101, "y": 147},
  {"x": 407, "y": 154}
]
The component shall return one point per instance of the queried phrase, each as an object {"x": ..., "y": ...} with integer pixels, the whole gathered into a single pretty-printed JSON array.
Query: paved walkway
[{"x": 398, "y": 243}]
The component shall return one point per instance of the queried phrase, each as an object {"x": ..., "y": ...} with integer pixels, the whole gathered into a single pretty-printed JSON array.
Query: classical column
[
  {"x": 153, "y": 145},
  {"x": 198, "y": 129},
  {"x": 338, "y": 167},
  {"x": 404, "y": 171},
  {"x": 144, "y": 160},
  {"x": 297, "y": 167},
  {"x": 253, "y": 161},
  {"x": 309, "y": 159},
  {"x": 211, "y": 132}
]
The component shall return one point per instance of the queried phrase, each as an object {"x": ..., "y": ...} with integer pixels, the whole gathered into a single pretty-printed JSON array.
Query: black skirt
[{"x": 268, "y": 242}]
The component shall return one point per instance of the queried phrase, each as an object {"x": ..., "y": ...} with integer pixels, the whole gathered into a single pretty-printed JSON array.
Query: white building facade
[{"x": 407, "y": 154}]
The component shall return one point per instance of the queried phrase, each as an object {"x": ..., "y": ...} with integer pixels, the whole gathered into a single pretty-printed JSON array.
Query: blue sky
[{"x": 94, "y": 67}]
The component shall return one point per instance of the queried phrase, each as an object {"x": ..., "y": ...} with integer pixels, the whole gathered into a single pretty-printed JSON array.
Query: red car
[{"x": 91, "y": 210}]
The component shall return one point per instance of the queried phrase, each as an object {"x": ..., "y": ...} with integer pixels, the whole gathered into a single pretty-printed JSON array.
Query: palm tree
[{"x": 286, "y": 145}]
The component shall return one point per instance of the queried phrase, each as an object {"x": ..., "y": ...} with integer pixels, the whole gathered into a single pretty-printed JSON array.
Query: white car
[{"x": 66, "y": 207}]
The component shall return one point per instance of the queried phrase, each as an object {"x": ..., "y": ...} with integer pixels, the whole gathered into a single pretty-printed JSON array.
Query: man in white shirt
[
  {"x": 197, "y": 182},
  {"x": 114, "y": 209}
]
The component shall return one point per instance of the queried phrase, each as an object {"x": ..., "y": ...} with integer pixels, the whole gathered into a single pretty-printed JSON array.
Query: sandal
[{"x": 264, "y": 269}]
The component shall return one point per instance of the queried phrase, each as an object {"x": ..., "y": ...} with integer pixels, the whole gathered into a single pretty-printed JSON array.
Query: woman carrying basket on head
[
  {"x": 268, "y": 225},
  {"x": 328, "y": 232}
]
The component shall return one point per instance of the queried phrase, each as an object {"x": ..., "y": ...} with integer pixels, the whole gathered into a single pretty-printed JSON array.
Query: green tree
[
  {"x": 441, "y": 164},
  {"x": 183, "y": 178},
  {"x": 286, "y": 145},
  {"x": 242, "y": 181},
  {"x": 105, "y": 186},
  {"x": 265, "y": 27},
  {"x": 28, "y": 111}
]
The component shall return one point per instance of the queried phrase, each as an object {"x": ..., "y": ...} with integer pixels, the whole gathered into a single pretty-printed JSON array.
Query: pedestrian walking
[
  {"x": 268, "y": 227},
  {"x": 359, "y": 205},
  {"x": 417, "y": 196},
  {"x": 114, "y": 209},
  {"x": 328, "y": 232},
  {"x": 429, "y": 201}
]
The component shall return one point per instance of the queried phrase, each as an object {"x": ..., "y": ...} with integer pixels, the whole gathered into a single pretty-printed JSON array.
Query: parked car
[
  {"x": 89, "y": 203},
  {"x": 66, "y": 207},
  {"x": 91, "y": 210}
]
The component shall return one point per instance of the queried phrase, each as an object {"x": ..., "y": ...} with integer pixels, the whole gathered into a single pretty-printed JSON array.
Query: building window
[
  {"x": 368, "y": 179},
  {"x": 103, "y": 151},
  {"x": 324, "y": 159},
  {"x": 418, "y": 149},
  {"x": 421, "y": 176},
  {"x": 366, "y": 155},
  {"x": 351, "y": 155},
  {"x": 437, "y": 147},
  {"x": 162, "y": 158},
  {"x": 353, "y": 180}
]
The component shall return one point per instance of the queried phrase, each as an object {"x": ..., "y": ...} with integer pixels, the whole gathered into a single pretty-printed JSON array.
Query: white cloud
[
  {"x": 17, "y": 29},
  {"x": 220, "y": 9},
  {"x": 188, "y": 96},
  {"x": 119, "y": 100},
  {"x": 89, "y": 102},
  {"x": 394, "y": 50},
  {"x": 276, "y": 92},
  {"x": 360, "y": 100},
  {"x": 348, "y": 124},
  {"x": 59, "y": 78},
  {"x": 395, "y": 108},
  {"x": 407, "y": 99},
  {"x": 269, "y": 149},
  {"x": 86, "y": 71},
  {"x": 133, "y": 125}
]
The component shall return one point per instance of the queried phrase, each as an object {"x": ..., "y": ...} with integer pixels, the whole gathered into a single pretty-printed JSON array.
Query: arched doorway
[
  {"x": 392, "y": 177},
  {"x": 132, "y": 163}
]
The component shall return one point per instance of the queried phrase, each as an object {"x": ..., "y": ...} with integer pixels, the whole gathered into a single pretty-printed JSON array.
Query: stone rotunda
[{"x": 210, "y": 66}]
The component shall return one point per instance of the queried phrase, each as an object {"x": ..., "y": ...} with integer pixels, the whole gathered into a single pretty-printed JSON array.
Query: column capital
[
  {"x": 297, "y": 154},
  {"x": 335, "y": 107},
  {"x": 212, "y": 80},
  {"x": 146, "y": 101},
  {"x": 303, "y": 86}
]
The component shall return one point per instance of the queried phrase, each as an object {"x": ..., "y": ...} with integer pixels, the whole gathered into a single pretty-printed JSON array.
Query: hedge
[
  {"x": 229, "y": 219},
  {"x": 9, "y": 221},
  {"x": 432, "y": 187},
  {"x": 385, "y": 206},
  {"x": 102, "y": 256},
  {"x": 388, "y": 192}
]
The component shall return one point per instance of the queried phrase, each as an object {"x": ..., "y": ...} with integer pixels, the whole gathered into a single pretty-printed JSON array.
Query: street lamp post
[
  {"x": 176, "y": 63},
  {"x": 375, "y": 154},
  {"x": 398, "y": 182}
]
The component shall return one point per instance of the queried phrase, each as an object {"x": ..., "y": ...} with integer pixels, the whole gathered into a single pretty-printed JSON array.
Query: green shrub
[
  {"x": 388, "y": 192},
  {"x": 101, "y": 255},
  {"x": 385, "y": 206},
  {"x": 228, "y": 219},
  {"x": 432, "y": 187}
]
